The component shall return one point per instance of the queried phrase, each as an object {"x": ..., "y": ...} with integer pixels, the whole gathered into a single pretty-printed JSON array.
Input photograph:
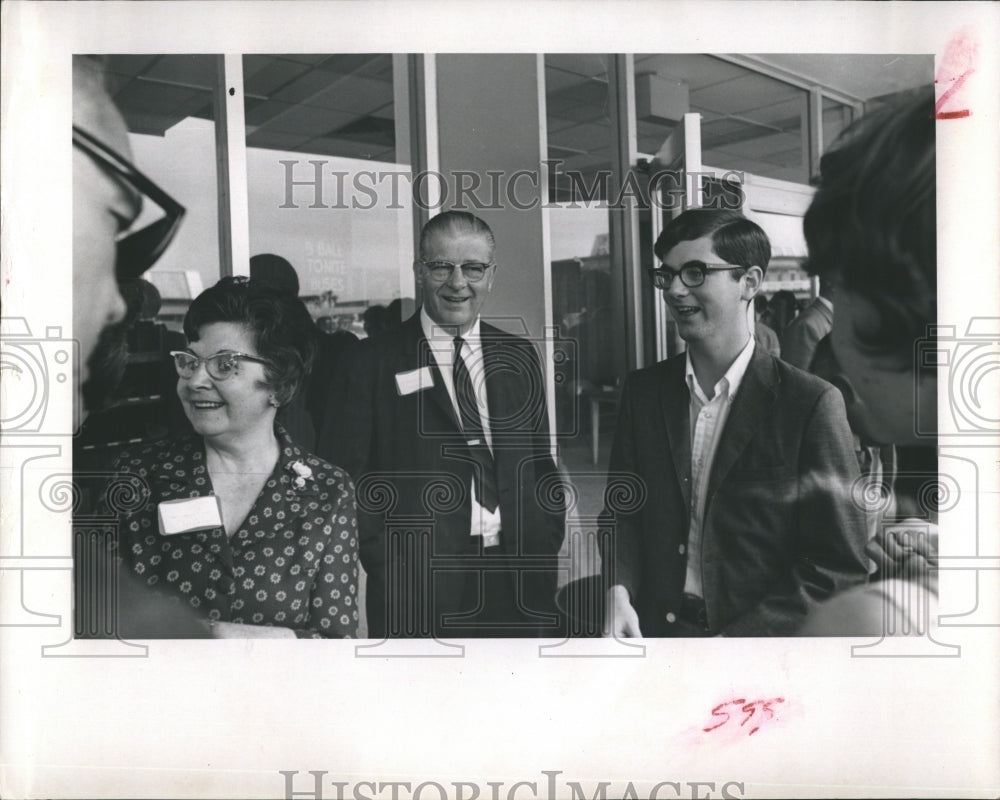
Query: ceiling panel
[
  {"x": 190, "y": 70},
  {"x": 863, "y": 76},
  {"x": 586, "y": 65},
  {"x": 263, "y": 75},
  {"x": 744, "y": 93},
  {"x": 357, "y": 95},
  {"x": 697, "y": 71},
  {"x": 308, "y": 120},
  {"x": 587, "y": 137}
]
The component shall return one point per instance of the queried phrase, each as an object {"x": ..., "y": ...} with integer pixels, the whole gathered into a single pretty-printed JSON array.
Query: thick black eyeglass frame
[
  {"x": 665, "y": 275},
  {"x": 430, "y": 265},
  {"x": 139, "y": 250}
]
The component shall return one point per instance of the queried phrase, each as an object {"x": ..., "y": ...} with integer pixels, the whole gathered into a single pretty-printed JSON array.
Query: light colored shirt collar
[
  {"x": 441, "y": 339},
  {"x": 728, "y": 383},
  {"x": 827, "y": 303}
]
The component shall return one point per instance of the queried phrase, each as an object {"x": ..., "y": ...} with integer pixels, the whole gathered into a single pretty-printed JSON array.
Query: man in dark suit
[
  {"x": 800, "y": 339},
  {"x": 747, "y": 463},
  {"x": 443, "y": 425}
]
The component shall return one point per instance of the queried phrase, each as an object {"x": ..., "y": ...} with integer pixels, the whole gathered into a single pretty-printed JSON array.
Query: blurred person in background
[
  {"x": 802, "y": 334},
  {"x": 303, "y": 416},
  {"x": 763, "y": 332},
  {"x": 781, "y": 310}
]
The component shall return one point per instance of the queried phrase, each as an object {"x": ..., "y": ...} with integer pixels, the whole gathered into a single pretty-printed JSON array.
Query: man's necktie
[{"x": 472, "y": 426}]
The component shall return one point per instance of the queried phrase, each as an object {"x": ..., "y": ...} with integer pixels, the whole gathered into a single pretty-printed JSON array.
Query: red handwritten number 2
[
  {"x": 946, "y": 95},
  {"x": 957, "y": 63}
]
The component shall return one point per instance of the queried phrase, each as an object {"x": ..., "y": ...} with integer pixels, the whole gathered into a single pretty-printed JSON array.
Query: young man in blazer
[
  {"x": 443, "y": 425},
  {"x": 747, "y": 463}
]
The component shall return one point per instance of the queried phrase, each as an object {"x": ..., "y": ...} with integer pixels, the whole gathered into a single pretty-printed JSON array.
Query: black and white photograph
[{"x": 628, "y": 399}]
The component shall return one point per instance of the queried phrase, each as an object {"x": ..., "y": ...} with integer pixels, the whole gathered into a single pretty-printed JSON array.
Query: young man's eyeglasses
[
  {"x": 220, "y": 366},
  {"x": 139, "y": 250},
  {"x": 473, "y": 271},
  {"x": 692, "y": 273}
]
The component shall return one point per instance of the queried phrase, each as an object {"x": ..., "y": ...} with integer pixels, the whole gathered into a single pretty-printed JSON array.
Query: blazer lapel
[
  {"x": 675, "y": 403},
  {"x": 417, "y": 355},
  {"x": 500, "y": 382},
  {"x": 756, "y": 395}
]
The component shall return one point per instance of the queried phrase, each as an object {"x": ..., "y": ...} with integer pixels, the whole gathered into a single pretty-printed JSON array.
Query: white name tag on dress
[
  {"x": 414, "y": 381},
  {"x": 191, "y": 514}
]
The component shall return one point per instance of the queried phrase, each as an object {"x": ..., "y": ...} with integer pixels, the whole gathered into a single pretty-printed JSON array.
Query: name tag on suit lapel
[
  {"x": 191, "y": 514},
  {"x": 414, "y": 380}
]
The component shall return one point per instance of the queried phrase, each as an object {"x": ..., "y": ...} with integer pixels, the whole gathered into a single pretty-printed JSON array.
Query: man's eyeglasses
[
  {"x": 692, "y": 273},
  {"x": 137, "y": 251},
  {"x": 473, "y": 271},
  {"x": 220, "y": 366}
]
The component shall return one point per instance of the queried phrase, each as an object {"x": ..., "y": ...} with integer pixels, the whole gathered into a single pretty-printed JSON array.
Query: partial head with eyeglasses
[
  {"x": 713, "y": 263},
  {"x": 250, "y": 349},
  {"x": 108, "y": 193},
  {"x": 455, "y": 269}
]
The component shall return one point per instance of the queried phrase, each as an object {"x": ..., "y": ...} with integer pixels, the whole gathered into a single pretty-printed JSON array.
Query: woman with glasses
[{"x": 236, "y": 520}]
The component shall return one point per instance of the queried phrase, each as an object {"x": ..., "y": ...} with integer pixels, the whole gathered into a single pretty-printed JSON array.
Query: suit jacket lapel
[
  {"x": 756, "y": 394},
  {"x": 675, "y": 403},
  {"x": 417, "y": 355},
  {"x": 499, "y": 381}
]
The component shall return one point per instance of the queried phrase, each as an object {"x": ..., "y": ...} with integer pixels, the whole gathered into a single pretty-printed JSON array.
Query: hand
[
  {"x": 238, "y": 630},
  {"x": 901, "y": 551},
  {"x": 620, "y": 619}
]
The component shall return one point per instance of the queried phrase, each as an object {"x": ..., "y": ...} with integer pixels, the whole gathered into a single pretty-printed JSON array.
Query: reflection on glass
[{"x": 327, "y": 190}]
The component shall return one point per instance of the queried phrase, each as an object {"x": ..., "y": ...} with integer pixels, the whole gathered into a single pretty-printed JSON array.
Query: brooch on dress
[{"x": 303, "y": 476}]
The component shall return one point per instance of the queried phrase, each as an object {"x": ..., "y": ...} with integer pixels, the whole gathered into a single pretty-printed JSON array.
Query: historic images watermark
[
  {"x": 312, "y": 183},
  {"x": 315, "y": 784}
]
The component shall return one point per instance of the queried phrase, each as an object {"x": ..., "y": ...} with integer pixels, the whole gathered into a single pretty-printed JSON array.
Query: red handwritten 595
[{"x": 757, "y": 711}]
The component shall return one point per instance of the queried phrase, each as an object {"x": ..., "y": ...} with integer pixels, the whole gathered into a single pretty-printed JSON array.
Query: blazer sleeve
[
  {"x": 830, "y": 527},
  {"x": 621, "y": 531},
  {"x": 348, "y": 439}
]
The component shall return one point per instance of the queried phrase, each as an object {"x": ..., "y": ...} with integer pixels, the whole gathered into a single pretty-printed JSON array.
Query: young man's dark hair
[{"x": 734, "y": 238}]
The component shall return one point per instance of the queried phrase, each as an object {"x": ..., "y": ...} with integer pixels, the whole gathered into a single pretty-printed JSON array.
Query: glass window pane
[
  {"x": 750, "y": 122},
  {"x": 580, "y": 140},
  {"x": 836, "y": 117},
  {"x": 329, "y": 187},
  {"x": 167, "y": 102}
]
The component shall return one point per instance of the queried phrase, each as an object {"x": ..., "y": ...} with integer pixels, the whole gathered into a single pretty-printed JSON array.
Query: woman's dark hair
[
  {"x": 872, "y": 224},
  {"x": 282, "y": 330},
  {"x": 734, "y": 238}
]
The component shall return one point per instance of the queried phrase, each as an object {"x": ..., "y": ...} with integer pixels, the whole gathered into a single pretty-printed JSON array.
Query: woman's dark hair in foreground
[
  {"x": 872, "y": 224},
  {"x": 282, "y": 330}
]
